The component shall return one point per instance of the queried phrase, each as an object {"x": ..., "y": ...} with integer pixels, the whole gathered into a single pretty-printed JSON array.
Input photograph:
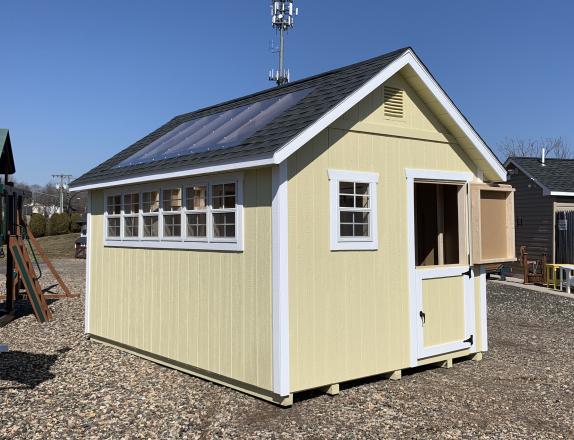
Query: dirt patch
[{"x": 74, "y": 388}]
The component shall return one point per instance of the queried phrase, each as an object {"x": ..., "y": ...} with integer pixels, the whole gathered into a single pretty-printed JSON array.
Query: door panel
[
  {"x": 443, "y": 305},
  {"x": 445, "y": 318}
]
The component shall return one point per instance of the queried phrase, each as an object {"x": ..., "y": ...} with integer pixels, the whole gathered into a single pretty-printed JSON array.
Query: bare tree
[{"x": 555, "y": 147}]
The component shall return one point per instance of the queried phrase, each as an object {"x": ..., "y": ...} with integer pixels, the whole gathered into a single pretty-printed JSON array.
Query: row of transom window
[{"x": 202, "y": 212}]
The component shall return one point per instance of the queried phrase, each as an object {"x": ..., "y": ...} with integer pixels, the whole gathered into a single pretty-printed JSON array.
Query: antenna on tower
[{"x": 282, "y": 13}]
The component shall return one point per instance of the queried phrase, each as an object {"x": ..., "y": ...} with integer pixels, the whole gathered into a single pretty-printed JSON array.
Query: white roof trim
[
  {"x": 219, "y": 168},
  {"x": 562, "y": 193},
  {"x": 408, "y": 58}
]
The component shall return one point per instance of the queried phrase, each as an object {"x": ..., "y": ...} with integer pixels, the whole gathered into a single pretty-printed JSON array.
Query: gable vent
[{"x": 393, "y": 102}]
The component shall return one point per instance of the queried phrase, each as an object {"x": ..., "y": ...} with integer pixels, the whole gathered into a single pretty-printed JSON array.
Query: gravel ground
[{"x": 56, "y": 384}]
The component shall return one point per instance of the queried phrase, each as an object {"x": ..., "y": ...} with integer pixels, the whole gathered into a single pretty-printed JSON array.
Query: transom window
[
  {"x": 202, "y": 215},
  {"x": 353, "y": 210}
]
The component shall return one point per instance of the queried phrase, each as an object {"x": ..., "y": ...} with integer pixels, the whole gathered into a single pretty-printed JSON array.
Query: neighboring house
[
  {"x": 35, "y": 207},
  {"x": 543, "y": 207},
  {"x": 302, "y": 236}
]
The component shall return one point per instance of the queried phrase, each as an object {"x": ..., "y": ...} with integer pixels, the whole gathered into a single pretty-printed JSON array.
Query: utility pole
[{"x": 62, "y": 185}]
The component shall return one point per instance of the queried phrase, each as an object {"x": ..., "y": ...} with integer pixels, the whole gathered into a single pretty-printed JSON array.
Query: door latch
[
  {"x": 470, "y": 340},
  {"x": 423, "y": 316},
  {"x": 468, "y": 273}
]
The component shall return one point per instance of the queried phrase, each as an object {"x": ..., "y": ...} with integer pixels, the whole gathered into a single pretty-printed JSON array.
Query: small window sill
[
  {"x": 355, "y": 245},
  {"x": 183, "y": 245}
]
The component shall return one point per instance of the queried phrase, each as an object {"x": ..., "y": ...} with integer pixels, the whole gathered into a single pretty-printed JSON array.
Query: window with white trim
[
  {"x": 353, "y": 201},
  {"x": 150, "y": 214},
  {"x": 131, "y": 215},
  {"x": 113, "y": 216},
  {"x": 196, "y": 214},
  {"x": 171, "y": 213}
]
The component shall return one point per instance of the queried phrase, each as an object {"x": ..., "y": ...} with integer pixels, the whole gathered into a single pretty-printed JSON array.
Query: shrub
[
  {"x": 59, "y": 224},
  {"x": 38, "y": 225},
  {"x": 74, "y": 226}
]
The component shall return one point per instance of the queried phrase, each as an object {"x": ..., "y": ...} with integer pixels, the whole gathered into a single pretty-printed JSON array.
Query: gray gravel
[{"x": 56, "y": 384}]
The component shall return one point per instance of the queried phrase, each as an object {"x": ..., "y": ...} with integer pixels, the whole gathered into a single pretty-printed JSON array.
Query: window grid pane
[
  {"x": 113, "y": 227},
  {"x": 196, "y": 198},
  {"x": 224, "y": 225},
  {"x": 114, "y": 204},
  {"x": 131, "y": 227},
  {"x": 197, "y": 225},
  {"x": 354, "y": 209},
  {"x": 223, "y": 196},
  {"x": 131, "y": 203},
  {"x": 172, "y": 225},
  {"x": 172, "y": 200},
  {"x": 150, "y": 225},
  {"x": 150, "y": 201}
]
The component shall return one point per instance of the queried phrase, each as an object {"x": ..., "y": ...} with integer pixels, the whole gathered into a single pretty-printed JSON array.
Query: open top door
[{"x": 492, "y": 226}]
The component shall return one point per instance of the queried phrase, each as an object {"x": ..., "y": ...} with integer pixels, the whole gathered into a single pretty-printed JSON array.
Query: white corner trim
[
  {"x": 412, "y": 173},
  {"x": 408, "y": 58},
  {"x": 280, "y": 295},
  {"x": 483, "y": 312},
  {"x": 208, "y": 169},
  {"x": 412, "y": 283},
  {"x": 353, "y": 244},
  {"x": 88, "y": 267}
]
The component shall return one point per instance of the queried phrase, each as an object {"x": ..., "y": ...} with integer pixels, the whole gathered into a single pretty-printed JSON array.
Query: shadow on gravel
[{"x": 27, "y": 369}]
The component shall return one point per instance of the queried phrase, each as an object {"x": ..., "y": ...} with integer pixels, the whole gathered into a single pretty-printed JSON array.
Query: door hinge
[
  {"x": 470, "y": 340},
  {"x": 423, "y": 316},
  {"x": 468, "y": 273}
]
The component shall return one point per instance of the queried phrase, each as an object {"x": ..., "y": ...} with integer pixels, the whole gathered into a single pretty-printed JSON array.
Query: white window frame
[
  {"x": 182, "y": 242},
  {"x": 108, "y": 215},
  {"x": 339, "y": 243},
  {"x": 205, "y": 211},
  {"x": 162, "y": 214},
  {"x": 143, "y": 215},
  {"x": 124, "y": 216}
]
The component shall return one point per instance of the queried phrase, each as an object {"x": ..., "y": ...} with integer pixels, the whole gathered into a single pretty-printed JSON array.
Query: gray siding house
[{"x": 543, "y": 207}]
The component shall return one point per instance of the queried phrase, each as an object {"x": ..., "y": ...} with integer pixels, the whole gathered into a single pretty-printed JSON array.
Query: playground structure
[{"x": 22, "y": 248}]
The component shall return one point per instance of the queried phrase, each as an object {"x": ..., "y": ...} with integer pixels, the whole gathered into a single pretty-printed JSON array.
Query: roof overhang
[
  {"x": 187, "y": 172},
  {"x": 424, "y": 83}
]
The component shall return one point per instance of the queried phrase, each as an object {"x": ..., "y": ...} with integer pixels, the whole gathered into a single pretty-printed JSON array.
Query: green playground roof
[{"x": 6, "y": 157}]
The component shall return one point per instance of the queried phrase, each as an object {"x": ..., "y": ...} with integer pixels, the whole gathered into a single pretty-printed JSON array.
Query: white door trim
[{"x": 414, "y": 300}]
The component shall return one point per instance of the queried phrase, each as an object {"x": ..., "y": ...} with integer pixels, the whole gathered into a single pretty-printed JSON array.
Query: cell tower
[{"x": 282, "y": 13}]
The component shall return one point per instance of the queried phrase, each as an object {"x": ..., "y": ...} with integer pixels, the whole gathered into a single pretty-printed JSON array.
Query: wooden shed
[
  {"x": 326, "y": 230},
  {"x": 543, "y": 207}
]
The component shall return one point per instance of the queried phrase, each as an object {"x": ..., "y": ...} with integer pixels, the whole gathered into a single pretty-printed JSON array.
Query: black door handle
[{"x": 423, "y": 316}]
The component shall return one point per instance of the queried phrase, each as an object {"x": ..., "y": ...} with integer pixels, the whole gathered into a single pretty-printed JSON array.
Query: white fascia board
[
  {"x": 562, "y": 193},
  {"x": 209, "y": 169},
  {"x": 408, "y": 58}
]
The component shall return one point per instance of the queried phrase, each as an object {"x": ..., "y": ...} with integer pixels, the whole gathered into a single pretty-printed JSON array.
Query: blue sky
[{"x": 80, "y": 80}]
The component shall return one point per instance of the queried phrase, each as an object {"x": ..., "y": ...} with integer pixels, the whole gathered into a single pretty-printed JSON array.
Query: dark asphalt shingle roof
[
  {"x": 556, "y": 174},
  {"x": 329, "y": 89}
]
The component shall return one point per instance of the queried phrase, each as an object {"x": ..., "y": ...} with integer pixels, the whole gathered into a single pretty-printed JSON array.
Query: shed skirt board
[
  {"x": 445, "y": 320},
  {"x": 198, "y": 372}
]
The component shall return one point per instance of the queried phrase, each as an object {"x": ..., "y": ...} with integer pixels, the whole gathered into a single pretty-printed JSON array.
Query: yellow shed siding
[
  {"x": 349, "y": 309},
  {"x": 207, "y": 309}
]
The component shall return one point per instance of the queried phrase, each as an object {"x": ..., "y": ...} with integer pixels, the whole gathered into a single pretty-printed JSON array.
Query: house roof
[
  {"x": 320, "y": 100},
  {"x": 555, "y": 177}
]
